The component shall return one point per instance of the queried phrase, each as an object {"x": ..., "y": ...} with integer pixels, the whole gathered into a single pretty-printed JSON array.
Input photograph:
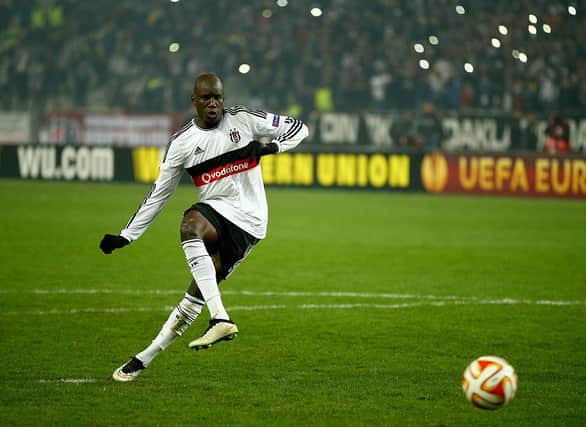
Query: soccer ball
[{"x": 489, "y": 382}]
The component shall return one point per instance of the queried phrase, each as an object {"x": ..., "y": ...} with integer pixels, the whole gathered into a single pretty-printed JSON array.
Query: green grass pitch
[{"x": 359, "y": 309}]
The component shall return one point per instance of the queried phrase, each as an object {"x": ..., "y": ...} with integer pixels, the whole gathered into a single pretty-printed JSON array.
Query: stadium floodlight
[
  {"x": 546, "y": 28},
  {"x": 433, "y": 40},
  {"x": 174, "y": 47},
  {"x": 424, "y": 64},
  {"x": 418, "y": 47},
  {"x": 174, "y": 1},
  {"x": 572, "y": 10},
  {"x": 532, "y": 18},
  {"x": 503, "y": 30},
  {"x": 495, "y": 42},
  {"x": 316, "y": 11},
  {"x": 468, "y": 67},
  {"x": 515, "y": 54},
  {"x": 532, "y": 29},
  {"x": 244, "y": 68},
  {"x": 267, "y": 13},
  {"x": 522, "y": 57},
  {"x": 282, "y": 3},
  {"x": 460, "y": 10}
]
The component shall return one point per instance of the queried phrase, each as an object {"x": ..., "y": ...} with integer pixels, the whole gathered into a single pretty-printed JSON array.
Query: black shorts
[{"x": 234, "y": 244}]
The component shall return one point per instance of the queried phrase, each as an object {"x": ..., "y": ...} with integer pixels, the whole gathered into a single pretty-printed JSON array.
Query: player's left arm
[{"x": 285, "y": 132}]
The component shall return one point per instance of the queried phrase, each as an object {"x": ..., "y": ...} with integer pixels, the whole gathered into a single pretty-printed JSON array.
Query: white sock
[
  {"x": 202, "y": 268},
  {"x": 180, "y": 319}
]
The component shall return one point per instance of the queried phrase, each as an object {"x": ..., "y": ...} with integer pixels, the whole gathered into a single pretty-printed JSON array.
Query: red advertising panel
[{"x": 503, "y": 174}]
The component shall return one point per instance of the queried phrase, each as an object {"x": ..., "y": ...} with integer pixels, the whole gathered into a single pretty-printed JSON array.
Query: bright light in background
[
  {"x": 433, "y": 40},
  {"x": 460, "y": 10},
  {"x": 495, "y": 42},
  {"x": 522, "y": 57},
  {"x": 532, "y": 29},
  {"x": 282, "y": 3},
  {"x": 267, "y": 13},
  {"x": 418, "y": 47},
  {"x": 174, "y": 1},
  {"x": 174, "y": 47},
  {"x": 503, "y": 30},
  {"x": 533, "y": 19},
  {"x": 468, "y": 67},
  {"x": 244, "y": 68},
  {"x": 316, "y": 11},
  {"x": 515, "y": 54},
  {"x": 571, "y": 10},
  {"x": 424, "y": 64},
  {"x": 546, "y": 28}
]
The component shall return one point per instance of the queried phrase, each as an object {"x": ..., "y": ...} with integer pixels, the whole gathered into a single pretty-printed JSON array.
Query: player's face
[{"x": 208, "y": 100}]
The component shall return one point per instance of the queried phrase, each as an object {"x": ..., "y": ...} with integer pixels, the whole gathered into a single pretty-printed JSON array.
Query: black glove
[
  {"x": 270, "y": 148},
  {"x": 111, "y": 242},
  {"x": 258, "y": 149}
]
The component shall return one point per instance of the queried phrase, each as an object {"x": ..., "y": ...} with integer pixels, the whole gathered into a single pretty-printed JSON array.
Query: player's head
[{"x": 208, "y": 100}]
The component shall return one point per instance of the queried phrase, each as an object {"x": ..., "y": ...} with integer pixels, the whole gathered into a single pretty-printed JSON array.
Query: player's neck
[{"x": 204, "y": 125}]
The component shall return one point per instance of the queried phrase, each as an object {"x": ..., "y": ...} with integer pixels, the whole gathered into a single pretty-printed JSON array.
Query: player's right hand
[{"x": 110, "y": 242}]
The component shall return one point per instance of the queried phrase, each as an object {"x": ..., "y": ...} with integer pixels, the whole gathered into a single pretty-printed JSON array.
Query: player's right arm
[{"x": 171, "y": 169}]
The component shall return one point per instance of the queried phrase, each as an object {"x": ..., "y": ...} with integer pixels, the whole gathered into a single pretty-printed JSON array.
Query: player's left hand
[
  {"x": 110, "y": 242},
  {"x": 258, "y": 149},
  {"x": 270, "y": 148}
]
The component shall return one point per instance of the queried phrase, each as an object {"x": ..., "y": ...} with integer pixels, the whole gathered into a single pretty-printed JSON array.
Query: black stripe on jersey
[
  {"x": 294, "y": 123},
  {"x": 252, "y": 113},
  {"x": 293, "y": 130},
  {"x": 151, "y": 191},
  {"x": 289, "y": 120},
  {"x": 241, "y": 109},
  {"x": 167, "y": 150},
  {"x": 176, "y": 135},
  {"x": 185, "y": 127},
  {"x": 221, "y": 160}
]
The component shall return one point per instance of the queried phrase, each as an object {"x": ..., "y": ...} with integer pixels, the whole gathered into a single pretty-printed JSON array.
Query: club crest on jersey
[{"x": 234, "y": 136}]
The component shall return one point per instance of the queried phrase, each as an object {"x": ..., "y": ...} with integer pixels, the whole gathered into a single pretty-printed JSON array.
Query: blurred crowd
[{"x": 137, "y": 56}]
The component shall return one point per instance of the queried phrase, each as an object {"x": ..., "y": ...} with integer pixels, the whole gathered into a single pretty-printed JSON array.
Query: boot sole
[{"x": 228, "y": 337}]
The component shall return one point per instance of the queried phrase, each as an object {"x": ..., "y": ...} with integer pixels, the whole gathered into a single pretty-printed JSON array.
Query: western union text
[{"x": 337, "y": 170}]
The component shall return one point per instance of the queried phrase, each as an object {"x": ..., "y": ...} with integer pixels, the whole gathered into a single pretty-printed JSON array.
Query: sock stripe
[
  {"x": 190, "y": 242},
  {"x": 189, "y": 317},
  {"x": 194, "y": 300},
  {"x": 197, "y": 257}
]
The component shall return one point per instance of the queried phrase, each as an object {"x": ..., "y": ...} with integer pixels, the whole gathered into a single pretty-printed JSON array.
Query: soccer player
[{"x": 220, "y": 151}]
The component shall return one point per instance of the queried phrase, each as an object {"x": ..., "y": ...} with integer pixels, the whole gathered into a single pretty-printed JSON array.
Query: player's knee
[{"x": 190, "y": 227}]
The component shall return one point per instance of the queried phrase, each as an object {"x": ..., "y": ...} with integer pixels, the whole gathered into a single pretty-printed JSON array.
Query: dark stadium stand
[{"x": 116, "y": 55}]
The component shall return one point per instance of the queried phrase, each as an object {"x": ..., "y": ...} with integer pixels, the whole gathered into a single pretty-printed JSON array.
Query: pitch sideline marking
[
  {"x": 455, "y": 299},
  {"x": 300, "y": 307},
  {"x": 70, "y": 380}
]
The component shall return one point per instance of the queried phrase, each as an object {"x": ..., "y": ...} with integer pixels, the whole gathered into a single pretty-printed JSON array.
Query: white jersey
[{"x": 218, "y": 161}]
